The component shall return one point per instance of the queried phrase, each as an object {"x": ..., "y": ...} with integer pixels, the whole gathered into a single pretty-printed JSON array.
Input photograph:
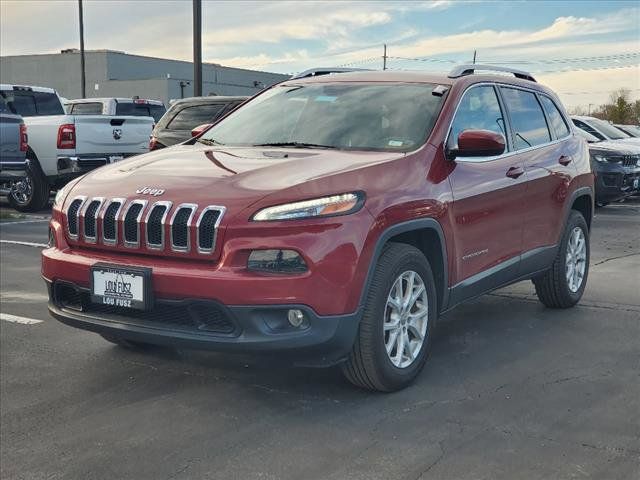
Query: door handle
[
  {"x": 515, "y": 172},
  {"x": 564, "y": 160}
]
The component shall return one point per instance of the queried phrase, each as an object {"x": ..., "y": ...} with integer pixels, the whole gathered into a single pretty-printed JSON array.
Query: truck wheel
[
  {"x": 393, "y": 339},
  {"x": 563, "y": 285},
  {"x": 32, "y": 192}
]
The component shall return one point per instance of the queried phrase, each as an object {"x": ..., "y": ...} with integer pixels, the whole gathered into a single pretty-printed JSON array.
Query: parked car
[
  {"x": 333, "y": 218},
  {"x": 13, "y": 149},
  {"x": 631, "y": 130},
  {"x": 137, "y": 107},
  {"x": 616, "y": 166},
  {"x": 186, "y": 114},
  {"x": 602, "y": 130},
  {"x": 63, "y": 146}
]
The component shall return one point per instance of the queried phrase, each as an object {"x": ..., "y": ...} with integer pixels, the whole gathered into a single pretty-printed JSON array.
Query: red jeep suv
[{"x": 333, "y": 217}]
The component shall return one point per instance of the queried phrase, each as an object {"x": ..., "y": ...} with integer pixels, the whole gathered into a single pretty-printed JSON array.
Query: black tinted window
[
  {"x": 527, "y": 120},
  {"x": 86, "y": 109},
  {"x": 588, "y": 129},
  {"x": 190, "y": 117},
  {"x": 478, "y": 110},
  {"x": 32, "y": 104},
  {"x": 140, "y": 110},
  {"x": 555, "y": 117}
]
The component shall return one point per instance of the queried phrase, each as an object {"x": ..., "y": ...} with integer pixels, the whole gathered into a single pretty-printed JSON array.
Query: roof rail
[
  {"x": 462, "y": 70},
  {"x": 314, "y": 72}
]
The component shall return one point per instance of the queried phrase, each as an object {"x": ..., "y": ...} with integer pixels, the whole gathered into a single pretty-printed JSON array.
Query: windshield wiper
[
  {"x": 209, "y": 142},
  {"x": 294, "y": 145}
]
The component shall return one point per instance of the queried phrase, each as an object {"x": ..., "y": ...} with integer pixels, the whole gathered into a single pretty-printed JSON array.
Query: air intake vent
[
  {"x": 180, "y": 223},
  {"x": 90, "y": 216},
  {"x": 110, "y": 222},
  {"x": 155, "y": 224},
  {"x": 207, "y": 228},
  {"x": 132, "y": 223},
  {"x": 73, "y": 215}
]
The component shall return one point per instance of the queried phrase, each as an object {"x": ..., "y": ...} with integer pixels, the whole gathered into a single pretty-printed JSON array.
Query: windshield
[
  {"x": 393, "y": 117},
  {"x": 609, "y": 130}
]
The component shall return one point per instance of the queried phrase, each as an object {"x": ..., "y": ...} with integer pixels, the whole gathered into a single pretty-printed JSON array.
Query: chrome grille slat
[
  {"x": 93, "y": 217},
  {"x": 181, "y": 227},
  {"x": 90, "y": 215},
  {"x": 155, "y": 224}
]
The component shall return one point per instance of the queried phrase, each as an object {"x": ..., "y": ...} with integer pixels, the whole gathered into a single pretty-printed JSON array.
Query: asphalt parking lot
[{"x": 512, "y": 390}]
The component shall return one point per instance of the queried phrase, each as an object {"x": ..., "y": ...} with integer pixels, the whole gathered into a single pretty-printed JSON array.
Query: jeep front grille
[{"x": 137, "y": 224}]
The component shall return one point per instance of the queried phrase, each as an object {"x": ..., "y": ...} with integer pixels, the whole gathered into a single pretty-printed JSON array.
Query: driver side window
[{"x": 479, "y": 109}]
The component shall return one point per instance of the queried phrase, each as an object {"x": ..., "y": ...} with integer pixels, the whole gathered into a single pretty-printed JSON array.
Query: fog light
[
  {"x": 295, "y": 317},
  {"x": 276, "y": 261}
]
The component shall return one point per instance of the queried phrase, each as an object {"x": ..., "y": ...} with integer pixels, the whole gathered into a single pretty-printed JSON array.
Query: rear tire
[
  {"x": 402, "y": 273},
  {"x": 30, "y": 194},
  {"x": 557, "y": 288}
]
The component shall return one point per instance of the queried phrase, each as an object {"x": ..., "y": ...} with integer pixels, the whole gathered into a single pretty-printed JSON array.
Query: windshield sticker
[
  {"x": 395, "y": 143},
  {"x": 325, "y": 98}
]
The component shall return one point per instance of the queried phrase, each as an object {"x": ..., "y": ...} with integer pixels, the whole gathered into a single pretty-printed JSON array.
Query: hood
[
  {"x": 235, "y": 177},
  {"x": 619, "y": 147}
]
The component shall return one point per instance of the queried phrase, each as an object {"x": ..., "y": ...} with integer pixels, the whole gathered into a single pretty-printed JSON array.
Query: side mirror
[
  {"x": 479, "y": 143},
  {"x": 200, "y": 128}
]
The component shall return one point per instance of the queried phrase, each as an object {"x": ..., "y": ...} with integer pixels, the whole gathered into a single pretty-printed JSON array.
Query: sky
[{"x": 581, "y": 49}]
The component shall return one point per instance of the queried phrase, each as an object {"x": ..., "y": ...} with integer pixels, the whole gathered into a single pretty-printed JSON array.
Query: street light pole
[
  {"x": 82, "y": 73},
  {"x": 197, "y": 48}
]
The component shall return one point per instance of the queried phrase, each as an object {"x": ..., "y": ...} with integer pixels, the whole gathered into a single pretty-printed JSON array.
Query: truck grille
[
  {"x": 631, "y": 160},
  {"x": 99, "y": 221}
]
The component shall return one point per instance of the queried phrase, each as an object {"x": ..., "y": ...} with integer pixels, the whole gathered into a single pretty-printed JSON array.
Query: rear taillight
[
  {"x": 67, "y": 136},
  {"x": 24, "y": 139}
]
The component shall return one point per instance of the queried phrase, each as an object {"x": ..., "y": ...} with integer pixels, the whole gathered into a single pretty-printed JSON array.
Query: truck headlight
[
  {"x": 318, "y": 207},
  {"x": 599, "y": 157}
]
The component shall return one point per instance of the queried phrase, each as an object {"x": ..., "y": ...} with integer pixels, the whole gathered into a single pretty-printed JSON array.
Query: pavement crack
[{"x": 614, "y": 258}]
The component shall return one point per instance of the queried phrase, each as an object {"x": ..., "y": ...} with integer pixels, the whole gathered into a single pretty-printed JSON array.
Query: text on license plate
[{"x": 118, "y": 288}]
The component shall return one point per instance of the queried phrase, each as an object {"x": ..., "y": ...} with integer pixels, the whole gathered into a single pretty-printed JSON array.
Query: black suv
[{"x": 184, "y": 115}]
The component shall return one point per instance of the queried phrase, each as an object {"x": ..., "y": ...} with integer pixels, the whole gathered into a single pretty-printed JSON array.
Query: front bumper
[
  {"x": 615, "y": 182},
  {"x": 320, "y": 341}
]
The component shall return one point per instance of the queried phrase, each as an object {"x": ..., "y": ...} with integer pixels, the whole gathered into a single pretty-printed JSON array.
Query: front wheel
[
  {"x": 395, "y": 332},
  {"x": 563, "y": 285}
]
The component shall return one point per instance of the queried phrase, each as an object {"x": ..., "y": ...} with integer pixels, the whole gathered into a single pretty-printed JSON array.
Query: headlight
[
  {"x": 318, "y": 207},
  {"x": 599, "y": 157}
]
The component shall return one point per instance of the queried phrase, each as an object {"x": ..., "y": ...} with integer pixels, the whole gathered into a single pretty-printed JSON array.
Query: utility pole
[
  {"x": 197, "y": 48},
  {"x": 384, "y": 58},
  {"x": 474, "y": 57},
  {"x": 82, "y": 74}
]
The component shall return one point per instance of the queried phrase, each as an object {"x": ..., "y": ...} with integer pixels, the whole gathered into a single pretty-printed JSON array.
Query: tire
[
  {"x": 554, "y": 288},
  {"x": 369, "y": 366},
  {"x": 128, "y": 344},
  {"x": 32, "y": 193}
]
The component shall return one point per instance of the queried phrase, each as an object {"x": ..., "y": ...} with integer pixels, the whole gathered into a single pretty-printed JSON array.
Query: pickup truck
[
  {"x": 62, "y": 146},
  {"x": 137, "y": 107},
  {"x": 13, "y": 148}
]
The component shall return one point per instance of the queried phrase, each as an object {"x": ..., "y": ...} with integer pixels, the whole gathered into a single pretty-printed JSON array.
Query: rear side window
[
  {"x": 479, "y": 109},
  {"x": 555, "y": 117},
  {"x": 527, "y": 119},
  {"x": 32, "y": 104},
  {"x": 190, "y": 117},
  {"x": 86, "y": 109}
]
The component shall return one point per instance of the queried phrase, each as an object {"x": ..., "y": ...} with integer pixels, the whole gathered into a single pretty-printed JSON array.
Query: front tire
[
  {"x": 30, "y": 194},
  {"x": 563, "y": 285},
  {"x": 395, "y": 332}
]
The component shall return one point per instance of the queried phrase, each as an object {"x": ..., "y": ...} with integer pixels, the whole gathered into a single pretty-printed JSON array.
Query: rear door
[
  {"x": 539, "y": 140},
  {"x": 488, "y": 204}
]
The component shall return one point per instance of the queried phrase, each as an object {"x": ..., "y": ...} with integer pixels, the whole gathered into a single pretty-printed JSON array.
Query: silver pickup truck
[
  {"x": 13, "y": 149},
  {"x": 63, "y": 146}
]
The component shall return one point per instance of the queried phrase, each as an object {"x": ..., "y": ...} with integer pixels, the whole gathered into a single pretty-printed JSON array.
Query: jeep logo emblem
[
  {"x": 150, "y": 191},
  {"x": 117, "y": 133}
]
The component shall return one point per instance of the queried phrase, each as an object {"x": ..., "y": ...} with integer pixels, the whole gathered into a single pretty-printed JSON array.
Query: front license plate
[
  {"x": 115, "y": 158},
  {"x": 121, "y": 286},
  {"x": 636, "y": 182}
]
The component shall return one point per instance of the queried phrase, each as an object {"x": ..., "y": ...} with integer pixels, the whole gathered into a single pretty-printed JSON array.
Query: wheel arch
[
  {"x": 426, "y": 235},
  {"x": 582, "y": 200}
]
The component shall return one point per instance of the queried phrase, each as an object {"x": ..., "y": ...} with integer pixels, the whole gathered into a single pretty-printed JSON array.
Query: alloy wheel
[{"x": 576, "y": 261}]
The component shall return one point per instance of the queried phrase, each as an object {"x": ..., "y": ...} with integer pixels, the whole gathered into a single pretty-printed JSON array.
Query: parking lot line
[
  {"x": 28, "y": 244},
  {"x": 16, "y": 319},
  {"x": 17, "y": 222}
]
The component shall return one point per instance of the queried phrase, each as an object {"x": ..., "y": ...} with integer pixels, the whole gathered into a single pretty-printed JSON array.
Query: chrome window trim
[
  {"x": 93, "y": 239},
  {"x": 82, "y": 199},
  {"x": 193, "y": 208},
  {"x": 221, "y": 211},
  {"x": 122, "y": 201},
  {"x": 163, "y": 220},
  {"x": 507, "y": 154},
  {"x": 135, "y": 244}
]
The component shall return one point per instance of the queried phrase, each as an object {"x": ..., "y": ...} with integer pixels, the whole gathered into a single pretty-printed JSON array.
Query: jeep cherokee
[{"x": 333, "y": 217}]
